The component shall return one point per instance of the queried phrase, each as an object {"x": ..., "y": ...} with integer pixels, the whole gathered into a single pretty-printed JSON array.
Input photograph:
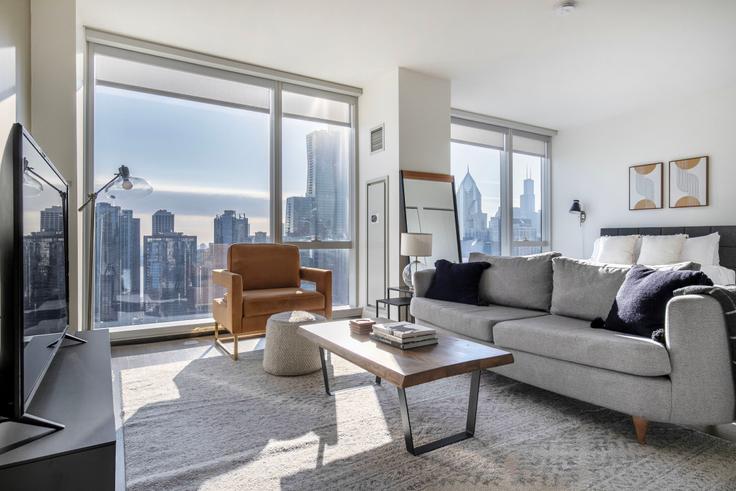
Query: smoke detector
[{"x": 566, "y": 7}]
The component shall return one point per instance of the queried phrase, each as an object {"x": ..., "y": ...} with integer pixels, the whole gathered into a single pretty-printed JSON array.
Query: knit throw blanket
[{"x": 726, "y": 296}]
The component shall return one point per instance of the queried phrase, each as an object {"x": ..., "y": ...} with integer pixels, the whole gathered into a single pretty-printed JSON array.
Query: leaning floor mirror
[{"x": 429, "y": 206}]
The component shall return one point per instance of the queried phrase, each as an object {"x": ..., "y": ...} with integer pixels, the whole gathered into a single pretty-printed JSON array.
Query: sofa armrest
[
  {"x": 322, "y": 278},
  {"x": 698, "y": 344},
  {"x": 228, "y": 311},
  {"x": 422, "y": 279}
]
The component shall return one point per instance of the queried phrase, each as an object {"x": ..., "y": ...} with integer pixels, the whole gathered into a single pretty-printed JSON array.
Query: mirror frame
[{"x": 427, "y": 176}]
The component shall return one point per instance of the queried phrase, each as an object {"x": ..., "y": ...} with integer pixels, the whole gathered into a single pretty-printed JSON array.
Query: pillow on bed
[
  {"x": 615, "y": 249},
  {"x": 661, "y": 249},
  {"x": 702, "y": 250}
]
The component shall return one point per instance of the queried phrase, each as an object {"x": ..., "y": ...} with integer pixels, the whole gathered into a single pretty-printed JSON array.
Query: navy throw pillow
[
  {"x": 456, "y": 282},
  {"x": 641, "y": 302}
]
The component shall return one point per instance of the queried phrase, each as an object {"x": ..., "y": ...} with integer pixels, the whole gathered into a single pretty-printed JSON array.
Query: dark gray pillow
[
  {"x": 586, "y": 290},
  {"x": 520, "y": 281}
]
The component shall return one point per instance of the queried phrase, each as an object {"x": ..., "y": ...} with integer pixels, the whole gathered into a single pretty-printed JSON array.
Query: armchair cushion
[
  {"x": 265, "y": 265},
  {"x": 273, "y": 300}
]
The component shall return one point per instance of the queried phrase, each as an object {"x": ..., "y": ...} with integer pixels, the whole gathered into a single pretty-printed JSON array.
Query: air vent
[{"x": 377, "y": 139}]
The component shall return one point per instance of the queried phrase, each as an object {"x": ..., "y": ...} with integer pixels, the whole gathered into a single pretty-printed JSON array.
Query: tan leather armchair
[{"x": 262, "y": 280}]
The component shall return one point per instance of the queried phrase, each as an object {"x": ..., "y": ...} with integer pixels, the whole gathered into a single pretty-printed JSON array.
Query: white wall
[
  {"x": 15, "y": 63},
  {"x": 591, "y": 163},
  {"x": 54, "y": 84},
  {"x": 424, "y": 122},
  {"x": 415, "y": 109}
]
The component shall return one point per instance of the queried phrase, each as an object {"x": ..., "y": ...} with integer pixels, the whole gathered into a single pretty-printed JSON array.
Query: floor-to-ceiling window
[
  {"x": 204, "y": 138},
  {"x": 500, "y": 183}
]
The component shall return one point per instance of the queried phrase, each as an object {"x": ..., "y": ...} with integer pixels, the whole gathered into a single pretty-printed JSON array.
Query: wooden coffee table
[{"x": 407, "y": 368}]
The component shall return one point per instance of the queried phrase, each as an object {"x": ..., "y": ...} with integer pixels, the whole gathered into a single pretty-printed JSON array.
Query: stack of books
[
  {"x": 361, "y": 326},
  {"x": 404, "y": 335}
]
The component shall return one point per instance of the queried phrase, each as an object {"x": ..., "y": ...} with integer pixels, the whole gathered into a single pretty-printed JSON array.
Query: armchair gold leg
[{"x": 221, "y": 340}]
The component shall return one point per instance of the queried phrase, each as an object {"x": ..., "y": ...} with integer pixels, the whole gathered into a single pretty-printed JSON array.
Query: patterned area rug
[{"x": 217, "y": 424}]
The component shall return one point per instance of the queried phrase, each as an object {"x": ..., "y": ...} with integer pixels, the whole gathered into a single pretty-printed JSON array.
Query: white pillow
[
  {"x": 702, "y": 250},
  {"x": 661, "y": 249},
  {"x": 615, "y": 249}
]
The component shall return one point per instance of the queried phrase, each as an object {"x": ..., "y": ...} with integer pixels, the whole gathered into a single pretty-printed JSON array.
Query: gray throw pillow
[
  {"x": 585, "y": 290},
  {"x": 520, "y": 281}
]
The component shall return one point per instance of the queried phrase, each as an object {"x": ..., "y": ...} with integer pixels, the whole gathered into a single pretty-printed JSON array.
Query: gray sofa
[{"x": 539, "y": 308}]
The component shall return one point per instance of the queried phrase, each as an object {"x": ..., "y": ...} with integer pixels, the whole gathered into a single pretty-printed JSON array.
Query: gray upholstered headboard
[{"x": 728, "y": 237}]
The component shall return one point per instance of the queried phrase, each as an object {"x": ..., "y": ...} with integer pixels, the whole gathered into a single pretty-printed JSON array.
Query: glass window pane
[
  {"x": 477, "y": 172},
  {"x": 527, "y": 195},
  {"x": 337, "y": 260},
  {"x": 315, "y": 107},
  {"x": 209, "y": 168},
  {"x": 315, "y": 181},
  {"x": 110, "y": 70}
]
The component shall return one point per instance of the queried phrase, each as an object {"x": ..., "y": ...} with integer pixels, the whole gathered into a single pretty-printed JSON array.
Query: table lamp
[{"x": 417, "y": 245}]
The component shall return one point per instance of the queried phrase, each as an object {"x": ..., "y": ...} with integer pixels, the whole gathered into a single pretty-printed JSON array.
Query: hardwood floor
[{"x": 147, "y": 354}]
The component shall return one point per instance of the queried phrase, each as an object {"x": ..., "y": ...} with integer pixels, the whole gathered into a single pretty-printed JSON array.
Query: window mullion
[
  {"x": 507, "y": 199},
  {"x": 276, "y": 165}
]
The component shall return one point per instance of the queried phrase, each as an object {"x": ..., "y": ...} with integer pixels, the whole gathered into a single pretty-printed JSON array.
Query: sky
[
  {"x": 484, "y": 165},
  {"x": 200, "y": 158}
]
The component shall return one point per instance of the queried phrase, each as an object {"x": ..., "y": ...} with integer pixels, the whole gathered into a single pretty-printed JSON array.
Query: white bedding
[{"x": 719, "y": 275}]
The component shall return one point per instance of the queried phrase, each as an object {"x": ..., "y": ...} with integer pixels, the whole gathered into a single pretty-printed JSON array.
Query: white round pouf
[{"x": 287, "y": 352}]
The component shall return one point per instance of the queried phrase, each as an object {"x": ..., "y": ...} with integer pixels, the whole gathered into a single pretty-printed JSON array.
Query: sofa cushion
[
  {"x": 584, "y": 290},
  {"x": 274, "y": 300},
  {"x": 564, "y": 338},
  {"x": 521, "y": 281},
  {"x": 468, "y": 320}
]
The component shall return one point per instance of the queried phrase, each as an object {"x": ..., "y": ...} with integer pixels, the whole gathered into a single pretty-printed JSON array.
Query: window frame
[
  {"x": 277, "y": 81},
  {"x": 482, "y": 122}
]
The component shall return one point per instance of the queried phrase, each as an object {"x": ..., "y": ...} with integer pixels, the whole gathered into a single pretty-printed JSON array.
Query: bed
[{"x": 722, "y": 274}]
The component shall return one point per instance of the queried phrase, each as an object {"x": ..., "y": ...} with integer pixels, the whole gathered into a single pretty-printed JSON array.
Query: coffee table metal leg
[
  {"x": 378, "y": 380},
  {"x": 324, "y": 370},
  {"x": 458, "y": 437}
]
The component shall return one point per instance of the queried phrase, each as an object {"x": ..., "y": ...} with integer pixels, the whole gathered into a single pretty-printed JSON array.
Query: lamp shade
[
  {"x": 416, "y": 244},
  {"x": 575, "y": 208}
]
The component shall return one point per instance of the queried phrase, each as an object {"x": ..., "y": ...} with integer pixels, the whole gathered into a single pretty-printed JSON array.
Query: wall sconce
[{"x": 577, "y": 209}]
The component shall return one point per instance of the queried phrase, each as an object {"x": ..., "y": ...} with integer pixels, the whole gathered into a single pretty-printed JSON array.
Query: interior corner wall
[
  {"x": 591, "y": 163},
  {"x": 415, "y": 111},
  {"x": 379, "y": 105},
  {"x": 424, "y": 122},
  {"x": 54, "y": 47}
]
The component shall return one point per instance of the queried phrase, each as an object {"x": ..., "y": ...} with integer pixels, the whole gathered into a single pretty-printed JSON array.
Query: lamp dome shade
[
  {"x": 416, "y": 244},
  {"x": 575, "y": 208}
]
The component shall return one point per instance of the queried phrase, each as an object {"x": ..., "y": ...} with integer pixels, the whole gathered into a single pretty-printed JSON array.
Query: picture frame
[
  {"x": 646, "y": 186},
  {"x": 689, "y": 182}
]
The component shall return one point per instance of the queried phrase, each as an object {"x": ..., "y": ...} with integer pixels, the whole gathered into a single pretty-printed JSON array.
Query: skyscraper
[
  {"x": 52, "y": 219},
  {"x": 117, "y": 262},
  {"x": 327, "y": 183},
  {"x": 231, "y": 228},
  {"x": 300, "y": 217},
  {"x": 169, "y": 268},
  {"x": 162, "y": 222}
]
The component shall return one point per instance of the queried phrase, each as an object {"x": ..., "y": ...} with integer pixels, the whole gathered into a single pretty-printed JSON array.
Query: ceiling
[{"x": 515, "y": 59}]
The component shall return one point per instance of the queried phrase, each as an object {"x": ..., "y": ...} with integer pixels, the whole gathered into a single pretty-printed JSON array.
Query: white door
[{"x": 377, "y": 232}]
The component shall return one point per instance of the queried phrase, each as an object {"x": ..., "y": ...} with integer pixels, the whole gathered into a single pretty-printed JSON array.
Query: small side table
[{"x": 403, "y": 300}]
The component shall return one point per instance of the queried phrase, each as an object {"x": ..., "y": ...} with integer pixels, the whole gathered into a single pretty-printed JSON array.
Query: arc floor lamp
[{"x": 121, "y": 184}]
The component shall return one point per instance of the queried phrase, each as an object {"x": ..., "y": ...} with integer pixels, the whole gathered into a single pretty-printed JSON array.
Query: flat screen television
[{"x": 34, "y": 275}]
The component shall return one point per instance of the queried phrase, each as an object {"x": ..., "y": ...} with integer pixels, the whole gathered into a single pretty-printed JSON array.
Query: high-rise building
[
  {"x": 169, "y": 269},
  {"x": 231, "y": 228},
  {"x": 162, "y": 222},
  {"x": 473, "y": 222},
  {"x": 117, "y": 263},
  {"x": 327, "y": 183},
  {"x": 52, "y": 219},
  {"x": 300, "y": 217},
  {"x": 260, "y": 238},
  {"x": 43, "y": 266}
]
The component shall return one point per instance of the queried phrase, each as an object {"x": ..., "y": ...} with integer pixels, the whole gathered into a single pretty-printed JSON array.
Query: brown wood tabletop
[{"x": 405, "y": 368}]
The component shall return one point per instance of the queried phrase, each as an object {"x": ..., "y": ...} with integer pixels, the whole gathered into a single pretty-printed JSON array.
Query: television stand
[{"x": 76, "y": 391}]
